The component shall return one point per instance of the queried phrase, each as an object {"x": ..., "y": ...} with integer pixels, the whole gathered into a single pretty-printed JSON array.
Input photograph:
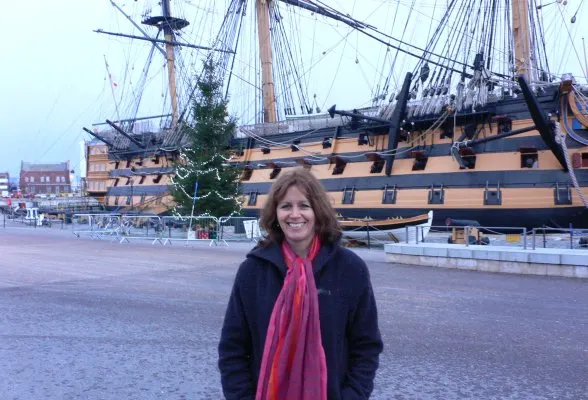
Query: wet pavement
[{"x": 82, "y": 319}]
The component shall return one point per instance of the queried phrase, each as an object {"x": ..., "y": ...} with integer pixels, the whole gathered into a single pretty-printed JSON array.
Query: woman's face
[{"x": 296, "y": 218}]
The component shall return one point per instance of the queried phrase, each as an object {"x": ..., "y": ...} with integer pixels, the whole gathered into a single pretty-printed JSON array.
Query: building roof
[{"x": 29, "y": 167}]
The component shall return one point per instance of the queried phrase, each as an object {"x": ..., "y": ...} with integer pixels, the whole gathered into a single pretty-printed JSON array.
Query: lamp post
[{"x": 132, "y": 199}]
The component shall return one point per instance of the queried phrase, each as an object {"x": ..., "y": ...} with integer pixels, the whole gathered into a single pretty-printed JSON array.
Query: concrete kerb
[{"x": 547, "y": 262}]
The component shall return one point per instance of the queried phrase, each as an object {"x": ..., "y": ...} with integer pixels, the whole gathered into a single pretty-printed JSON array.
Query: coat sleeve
[
  {"x": 365, "y": 345},
  {"x": 235, "y": 349}
]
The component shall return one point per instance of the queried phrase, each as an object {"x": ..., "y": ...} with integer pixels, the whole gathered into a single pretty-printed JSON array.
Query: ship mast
[
  {"x": 522, "y": 40},
  {"x": 169, "y": 24},
  {"x": 171, "y": 62},
  {"x": 265, "y": 51}
]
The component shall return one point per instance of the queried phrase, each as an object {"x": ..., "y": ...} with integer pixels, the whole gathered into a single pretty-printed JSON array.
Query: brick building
[
  {"x": 45, "y": 178},
  {"x": 4, "y": 184}
]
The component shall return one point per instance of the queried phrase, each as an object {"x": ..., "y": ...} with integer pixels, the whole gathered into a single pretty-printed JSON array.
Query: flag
[{"x": 195, "y": 190}]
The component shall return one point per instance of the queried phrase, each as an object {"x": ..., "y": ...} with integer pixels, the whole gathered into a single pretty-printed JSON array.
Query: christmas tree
[{"x": 202, "y": 169}]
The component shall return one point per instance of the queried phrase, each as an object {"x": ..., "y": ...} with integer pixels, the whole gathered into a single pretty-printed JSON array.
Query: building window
[
  {"x": 436, "y": 196},
  {"x": 562, "y": 195},
  {"x": 339, "y": 166},
  {"x": 158, "y": 178},
  {"x": 32, "y": 179},
  {"x": 377, "y": 163},
  {"x": 142, "y": 180},
  {"x": 492, "y": 196},
  {"x": 529, "y": 158},
  {"x": 116, "y": 181},
  {"x": 420, "y": 160},
  {"x": 363, "y": 139},
  {"x": 47, "y": 179},
  {"x": 275, "y": 172},
  {"x": 252, "y": 199},
  {"x": 26, "y": 179},
  {"x": 348, "y": 196},
  {"x": 389, "y": 195},
  {"x": 468, "y": 158},
  {"x": 247, "y": 172},
  {"x": 129, "y": 200},
  {"x": 116, "y": 201},
  {"x": 142, "y": 201},
  {"x": 42, "y": 179}
]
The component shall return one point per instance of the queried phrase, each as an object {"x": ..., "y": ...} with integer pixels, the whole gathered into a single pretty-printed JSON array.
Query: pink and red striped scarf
[{"x": 293, "y": 366}]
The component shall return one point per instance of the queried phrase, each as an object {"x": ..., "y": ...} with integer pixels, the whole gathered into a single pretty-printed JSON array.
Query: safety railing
[
  {"x": 165, "y": 230},
  {"x": 11, "y": 219},
  {"x": 560, "y": 238},
  {"x": 99, "y": 226},
  {"x": 469, "y": 235},
  {"x": 224, "y": 230},
  {"x": 239, "y": 229}
]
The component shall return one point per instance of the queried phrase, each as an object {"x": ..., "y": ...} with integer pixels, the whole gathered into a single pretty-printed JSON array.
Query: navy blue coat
[{"x": 348, "y": 318}]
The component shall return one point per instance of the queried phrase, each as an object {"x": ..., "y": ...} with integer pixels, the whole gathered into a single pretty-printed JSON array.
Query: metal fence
[
  {"x": 9, "y": 220},
  {"x": 224, "y": 230},
  {"x": 165, "y": 230},
  {"x": 501, "y": 236}
]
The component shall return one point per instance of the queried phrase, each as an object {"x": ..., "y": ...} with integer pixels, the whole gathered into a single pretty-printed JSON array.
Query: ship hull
[{"x": 575, "y": 217}]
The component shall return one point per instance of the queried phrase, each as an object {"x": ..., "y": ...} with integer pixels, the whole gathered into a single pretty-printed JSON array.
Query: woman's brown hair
[{"x": 326, "y": 224}]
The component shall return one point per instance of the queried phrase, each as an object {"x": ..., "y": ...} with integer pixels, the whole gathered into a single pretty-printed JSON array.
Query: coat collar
[{"x": 273, "y": 254}]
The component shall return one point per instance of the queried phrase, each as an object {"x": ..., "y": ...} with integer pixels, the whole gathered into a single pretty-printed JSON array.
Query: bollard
[{"x": 571, "y": 236}]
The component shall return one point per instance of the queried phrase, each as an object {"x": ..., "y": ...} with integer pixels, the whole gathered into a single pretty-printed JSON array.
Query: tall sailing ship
[{"x": 474, "y": 109}]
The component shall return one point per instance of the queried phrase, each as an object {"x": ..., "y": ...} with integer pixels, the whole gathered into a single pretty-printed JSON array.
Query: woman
[{"x": 301, "y": 322}]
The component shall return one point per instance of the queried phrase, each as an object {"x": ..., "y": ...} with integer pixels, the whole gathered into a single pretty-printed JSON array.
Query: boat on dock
[{"x": 388, "y": 230}]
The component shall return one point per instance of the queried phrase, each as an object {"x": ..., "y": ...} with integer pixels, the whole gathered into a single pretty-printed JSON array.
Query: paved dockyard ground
[{"x": 83, "y": 319}]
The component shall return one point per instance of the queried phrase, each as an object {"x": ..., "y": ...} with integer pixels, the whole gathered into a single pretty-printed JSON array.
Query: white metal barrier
[
  {"x": 192, "y": 229},
  {"x": 164, "y": 230},
  {"x": 98, "y": 226},
  {"x": 238, "y": 229}
]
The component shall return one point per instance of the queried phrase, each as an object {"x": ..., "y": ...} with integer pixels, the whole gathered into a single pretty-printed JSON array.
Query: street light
[{"x": 132, "y": 199}]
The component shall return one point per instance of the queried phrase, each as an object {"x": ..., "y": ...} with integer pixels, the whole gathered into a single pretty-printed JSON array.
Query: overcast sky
[{"x": 53, "y": 78}]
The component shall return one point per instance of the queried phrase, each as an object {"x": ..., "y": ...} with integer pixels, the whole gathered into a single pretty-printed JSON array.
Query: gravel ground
[{"x": 83, "y": 319}]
